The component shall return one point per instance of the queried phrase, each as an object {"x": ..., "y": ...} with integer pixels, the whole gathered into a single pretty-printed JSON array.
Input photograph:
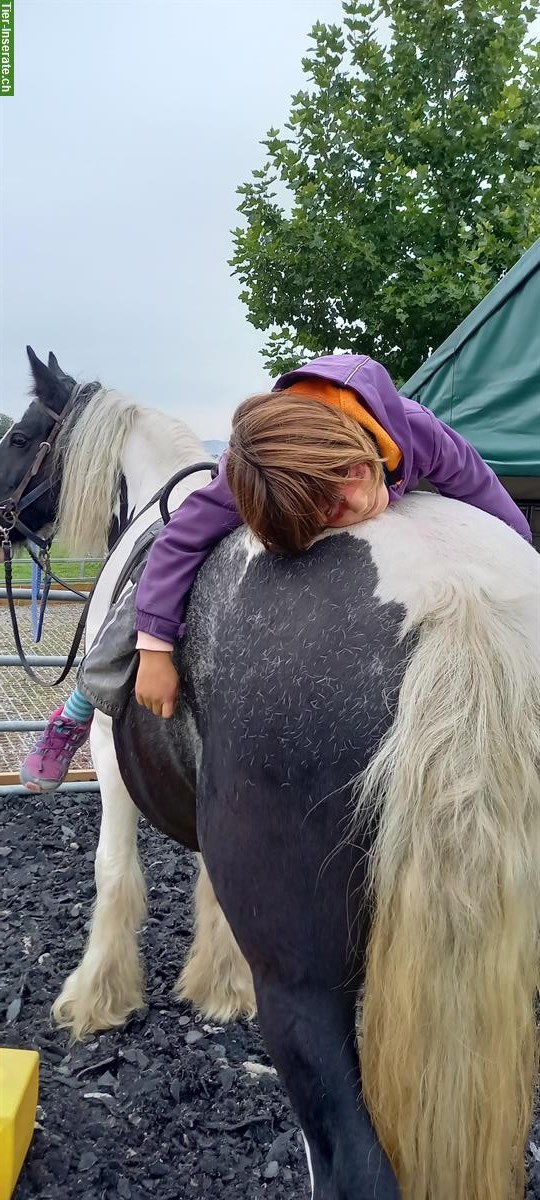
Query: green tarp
[{"x": 484, "y": 380}]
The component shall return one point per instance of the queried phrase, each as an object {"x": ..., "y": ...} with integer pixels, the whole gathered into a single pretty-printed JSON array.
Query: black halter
[{"x": 18, "y": 501}]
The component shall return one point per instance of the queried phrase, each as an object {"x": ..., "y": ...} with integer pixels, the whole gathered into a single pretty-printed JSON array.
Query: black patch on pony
[
  {"x": 121, "y": 520},
  {"x": 290, "y": 676}
]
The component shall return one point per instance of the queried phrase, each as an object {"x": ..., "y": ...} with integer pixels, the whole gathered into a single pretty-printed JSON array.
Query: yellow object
[{"x": 19, "y": 1078}]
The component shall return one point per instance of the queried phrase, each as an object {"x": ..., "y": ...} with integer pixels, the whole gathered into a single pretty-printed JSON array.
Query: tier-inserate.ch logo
[{"x": 6, "y": 48}]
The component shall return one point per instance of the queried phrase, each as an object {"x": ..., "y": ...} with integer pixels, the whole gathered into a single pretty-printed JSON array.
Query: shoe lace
[{"x": 57, "y": 740}]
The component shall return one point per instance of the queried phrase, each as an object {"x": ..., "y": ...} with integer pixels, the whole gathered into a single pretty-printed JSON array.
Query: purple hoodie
[{"x": 430, "y": 449}]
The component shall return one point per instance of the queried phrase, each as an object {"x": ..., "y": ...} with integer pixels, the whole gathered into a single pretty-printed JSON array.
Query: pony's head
[{"x": 26, "y": 444}]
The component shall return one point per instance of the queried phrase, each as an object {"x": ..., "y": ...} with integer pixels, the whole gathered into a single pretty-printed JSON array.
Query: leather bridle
[{"x": 11, "y": 508}]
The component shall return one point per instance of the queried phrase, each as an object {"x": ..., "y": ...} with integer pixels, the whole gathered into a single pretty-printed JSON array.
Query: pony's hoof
[
  {"x": 84, "y": 1006},
  {"x": 219, "y": 999}
]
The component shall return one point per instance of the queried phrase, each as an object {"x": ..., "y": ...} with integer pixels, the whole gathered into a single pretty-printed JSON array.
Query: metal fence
[{"x": 81, "y": 570}]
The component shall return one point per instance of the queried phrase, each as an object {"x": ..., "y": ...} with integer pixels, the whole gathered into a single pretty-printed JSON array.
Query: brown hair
[{"x": 287, "y": 458}]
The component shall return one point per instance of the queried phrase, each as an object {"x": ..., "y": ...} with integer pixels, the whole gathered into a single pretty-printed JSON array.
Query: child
[{"x": 332, "y": 445}]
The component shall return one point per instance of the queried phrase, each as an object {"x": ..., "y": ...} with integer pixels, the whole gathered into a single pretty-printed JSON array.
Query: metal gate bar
[
  {"x": 36, "y": 660},
  {"x": 89, "y": 785},
  {"x": 59, "y": 594},
  {"x": 22, "y": 726}
]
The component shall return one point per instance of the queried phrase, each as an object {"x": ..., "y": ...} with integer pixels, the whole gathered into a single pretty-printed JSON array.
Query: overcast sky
[{"x": 132, "y": 124}]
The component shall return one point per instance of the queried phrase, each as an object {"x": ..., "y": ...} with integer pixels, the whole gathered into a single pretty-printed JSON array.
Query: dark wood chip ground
[{"x": 166, "y": 1106}]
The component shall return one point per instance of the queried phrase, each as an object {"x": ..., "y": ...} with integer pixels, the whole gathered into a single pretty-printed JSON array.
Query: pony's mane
[{"x": 89, "y": 461}]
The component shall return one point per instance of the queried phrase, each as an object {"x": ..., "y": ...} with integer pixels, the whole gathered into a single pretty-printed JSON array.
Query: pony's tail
[{"x": 447, "y": 1028}]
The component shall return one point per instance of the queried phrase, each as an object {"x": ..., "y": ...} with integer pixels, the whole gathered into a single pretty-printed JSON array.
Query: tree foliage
[
  {"x": 406, "y": 181},
  {"x": 5, "y": 423}
]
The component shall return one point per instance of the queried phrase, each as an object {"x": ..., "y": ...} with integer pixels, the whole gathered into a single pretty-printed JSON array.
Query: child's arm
[
  {"x": 458, "y": 471},
  {"x": 204, "y": 518}
]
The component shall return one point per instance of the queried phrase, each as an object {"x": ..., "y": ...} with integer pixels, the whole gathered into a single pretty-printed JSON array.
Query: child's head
[{"x": 297, "y": 466}]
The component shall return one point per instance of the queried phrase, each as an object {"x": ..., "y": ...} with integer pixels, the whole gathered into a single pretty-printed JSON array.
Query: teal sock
[{"x": 78, "y": 707}]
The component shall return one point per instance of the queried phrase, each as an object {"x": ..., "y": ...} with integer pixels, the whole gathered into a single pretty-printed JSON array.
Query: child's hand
[{"x": 157, "y": 683}]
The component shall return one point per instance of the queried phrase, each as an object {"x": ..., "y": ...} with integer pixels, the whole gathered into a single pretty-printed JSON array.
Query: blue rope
[{"x": 37, "y": 619}]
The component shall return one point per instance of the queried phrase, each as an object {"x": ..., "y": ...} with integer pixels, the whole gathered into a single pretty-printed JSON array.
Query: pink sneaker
[{"x": 47, "y": 764}]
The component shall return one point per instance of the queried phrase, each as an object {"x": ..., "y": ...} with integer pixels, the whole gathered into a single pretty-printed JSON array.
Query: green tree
[
  {"x": 406, "y": 182},
  {"x": 5, "y": 423}
]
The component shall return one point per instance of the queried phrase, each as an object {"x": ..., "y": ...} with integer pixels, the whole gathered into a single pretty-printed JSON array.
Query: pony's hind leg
[
  {"x": 108, "y": 984},
  {"x": 309, "y": 1033},
  {"x": 292, "y": 899},
  {"x": 216, "y": 977}
]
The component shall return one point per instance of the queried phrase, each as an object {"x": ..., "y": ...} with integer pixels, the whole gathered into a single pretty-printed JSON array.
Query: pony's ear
[
  {"x": 54, "y": 365},
  {"x": 55, "y": 368},
  {"x": 51, "y": 385},
  {"x": 39, "y": 371}
]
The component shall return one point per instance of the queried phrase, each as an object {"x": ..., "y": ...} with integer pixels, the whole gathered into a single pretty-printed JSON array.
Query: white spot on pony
[
  {"x": 251, "y": 547},
  {"x": 439, "y": 544},
  {"x": 310, "y": 1164}
]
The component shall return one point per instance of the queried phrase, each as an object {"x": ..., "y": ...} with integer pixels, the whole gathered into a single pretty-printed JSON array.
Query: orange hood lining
[{"x": 348, "y": 402}]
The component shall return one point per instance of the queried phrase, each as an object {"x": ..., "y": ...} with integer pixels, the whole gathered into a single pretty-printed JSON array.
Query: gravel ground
[{"x": 167, "y": 1106}]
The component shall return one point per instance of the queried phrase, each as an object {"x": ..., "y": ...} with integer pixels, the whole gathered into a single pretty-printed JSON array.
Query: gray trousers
[
  {"x": 106, "y": 676},
  {"x": 107, "y": 673}
]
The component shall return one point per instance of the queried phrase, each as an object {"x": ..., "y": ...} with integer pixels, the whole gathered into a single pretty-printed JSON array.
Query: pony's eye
[{"x": 19, "y": 439}]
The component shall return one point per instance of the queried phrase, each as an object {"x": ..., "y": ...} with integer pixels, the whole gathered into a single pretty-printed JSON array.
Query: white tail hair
[{"x": 447, "y": 1028}]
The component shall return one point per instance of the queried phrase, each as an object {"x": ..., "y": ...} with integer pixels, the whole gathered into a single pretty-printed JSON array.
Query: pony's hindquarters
[{"x": 448, "y": 1042}]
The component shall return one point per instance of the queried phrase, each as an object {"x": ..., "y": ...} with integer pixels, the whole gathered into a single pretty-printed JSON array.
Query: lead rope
[{"x": 32, "y": 674}]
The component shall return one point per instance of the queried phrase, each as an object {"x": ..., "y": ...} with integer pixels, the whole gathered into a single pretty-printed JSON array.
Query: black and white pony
[{"x": 361, "y": 726}]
